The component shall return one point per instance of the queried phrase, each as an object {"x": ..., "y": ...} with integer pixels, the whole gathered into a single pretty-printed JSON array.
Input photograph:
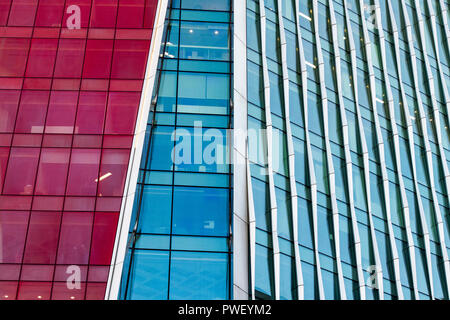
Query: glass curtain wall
[{"x": 179, "y": 243}]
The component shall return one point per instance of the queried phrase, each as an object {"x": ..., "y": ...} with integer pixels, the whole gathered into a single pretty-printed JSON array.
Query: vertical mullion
[
  {"x": 347, "y": 154},
  {"x": 395, "y": 137},
  {"x": 380, "y": 145},
  {"x": 291, "y": 155},
  {"x": 269, "y": 135},
  {"x": 407, "y": 115},
  {"x": 424, "y": 126},
  {"x": 312, "y": 175},
  {"x": 437, "y": 123},
  {"x": 330, "y": 166},
  {"x": 244, "y": 228}
]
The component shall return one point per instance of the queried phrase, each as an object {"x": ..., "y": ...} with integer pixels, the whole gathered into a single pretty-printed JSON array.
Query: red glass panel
[
  {"x": 13, "y": 55},
  {"x": 52, "y": 173},
  {"x": 22, "y": 12},
  {"x": 9, "y": 272},
  {"x": 150, "y": 10},
  {"x": 91, "y": 113},
  {"x": 103, "y": 14},
  {"x": 13, "y": 226},
  {"x": 103, "y": 238},
  {"x": 83, "y": 173},
  {"x": 4, "y": 11},
  {"x": 4, "y": 154},
  {"x": 38, "y": 272},
  {"x": 113, "y": 172},
  {"x": 9, "y": 100},
  {"x": 130, "y": 58},
  {"x": 34, "y": 290},
  {"x": 62, "y": 292},
  {"x": 21, "y": 171},
  {"x": 41, "y": 58},
  {"x": 51, "y": 156},
  {"x": 98, "y": 273},
  {"x": 8, "y": 290},
  {"x": 61, "y": 112},
  {"x": 97, "y": 63},
  {"x": 131, "y": 14},
  {"x": 49, "y": 13},
  {"x": 42, "y": 237},
  {"x": 75, "y": 238},
  {"x": 95, "y": 291},
  {"x": 122, "y": 111},
  {"x": 32, "y": 110},
  {"x": 69, "y": 61}
]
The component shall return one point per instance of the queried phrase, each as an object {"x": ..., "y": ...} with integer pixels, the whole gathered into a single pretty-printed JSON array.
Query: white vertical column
[
  {"x": 330, "y": 166},
  {"x": 269, "y": 137},
  {"x": 398, "y": 165},
  {"x": 380, "y": 145},
  {"x": 243, "y": 233},
  {"x": 409, "y": 126},
  {"x": 120, "y": 245},
  {"x": 312, "y": 175},
  {"x": 424, "y": 125},
  {"x": 437, "y": 123},
  {"x": 291, "y": 153},
  {"x": 347, "y": 155}
]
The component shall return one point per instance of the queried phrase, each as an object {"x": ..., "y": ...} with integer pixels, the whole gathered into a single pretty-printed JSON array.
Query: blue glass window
[{"x": 200, "y": 211}]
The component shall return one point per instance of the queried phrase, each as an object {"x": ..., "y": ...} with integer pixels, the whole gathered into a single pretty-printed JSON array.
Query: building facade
[{"x": 258, "y": 149}]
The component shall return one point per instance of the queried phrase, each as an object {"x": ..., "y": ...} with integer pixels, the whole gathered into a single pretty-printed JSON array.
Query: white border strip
[
  {"x": 348, "y": 159},
  {"x": 330, "y": 165},
  {"x": 409, "y": 125},
  {"x": 312, "y": 175},
  {"x": 269, "y": 136},
  {"x": 243, "y": 208},
  {"x": 123, "y": 226},
  {"x": 291, "y": 154}
]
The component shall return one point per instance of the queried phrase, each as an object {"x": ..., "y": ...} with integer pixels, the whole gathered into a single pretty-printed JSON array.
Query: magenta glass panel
[
  {"x": 41, "y": 58},
  {"x": 21, "y": 171},
  {"x": 52, "y": 172},
  {"x": 83, "y": 172},
  {"x": 97, "y": 59},
  {"x": 69, "y": 61},
  {"x": 4, "y": 11},
  {"x": 113, "y": 172},
  {"x": 103, "y": 237},
  {"x": 95, "y": 291},
  {"x": 42, "y": 238},
  {"x": 68, "y": 106},
  {"x": 13, "y": 54},
  {"x": 103, "y": 13},
  {"x": 34, "y": 290},
  {"x": 49, "y": 13},
  {"x": 61, "y": 292},
  {"x": 8, "y": 290},
  {"x": 22, "y": 12},
  {"x": 9, "y": 101},
  {"x": 131, "y": 14},
  {"x": 122, "y": 111},
  {"x": 61, "y": 112},
  {"x": 13, "y": 226},
  {"x": 91, "y": 113},
  {"x": 130, "y": 58},
  {"x": 4, "y": 154},
  {"x": 75, "y": 238},
  {"x": 32, "y": 111}
]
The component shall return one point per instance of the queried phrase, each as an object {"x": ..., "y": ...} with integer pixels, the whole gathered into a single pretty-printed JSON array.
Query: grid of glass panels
[
  {"x": 179, "y": 243},
  {"x": 429, "y": 271},
  {"x": 68, "y": 104}
]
